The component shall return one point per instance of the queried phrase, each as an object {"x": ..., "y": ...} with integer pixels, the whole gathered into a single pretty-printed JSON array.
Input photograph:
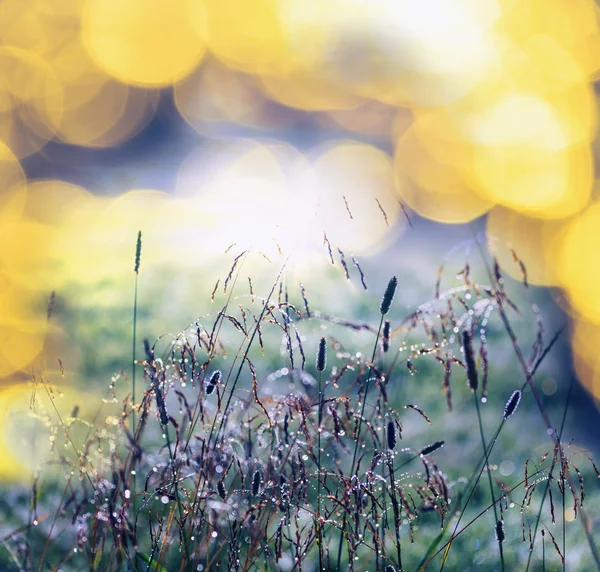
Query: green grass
[{"x": 173, "y": 484}]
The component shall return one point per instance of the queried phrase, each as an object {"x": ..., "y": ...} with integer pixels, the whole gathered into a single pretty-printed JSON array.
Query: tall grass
[{"x": 240, "y": 457}]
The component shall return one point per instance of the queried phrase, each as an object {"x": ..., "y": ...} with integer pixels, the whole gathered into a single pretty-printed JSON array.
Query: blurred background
[{"x": 393, "y": 131}]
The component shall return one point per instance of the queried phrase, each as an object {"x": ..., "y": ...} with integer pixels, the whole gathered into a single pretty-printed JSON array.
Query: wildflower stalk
[
  {"x": 543, "y": 552},
  {"x": 386, "y": 303},
  {"x": 391, "y": 438},
  {"x": 321, "y": 361},
  {"x": 564, "y": 532},
  {"x": 136, "y": 269},
  {"x": 489, "y": 451},
  {"x": 534, "y": 391},
  {"x": 489, "y": 473},
  {"x": 357, "y": 437},
  {"x": 428, "y": 559},
  {"x": 548, "y": 481}
]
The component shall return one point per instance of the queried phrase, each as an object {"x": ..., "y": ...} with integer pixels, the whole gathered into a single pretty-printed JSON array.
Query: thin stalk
[
  {"x": 489, "y": 450},
  {"x": 384, "y": 503},
  {"x": 489, "y": 473},
  {"x": 543, "y": 553},
  {"x": 476, "y": 475},
  {"x": 539, "y": 514},
  {"x": 364, "y": 403},
  {"x": 529, "y": 380},
  {"x": 133, "y": 404},
  {"x": 426, "y": 561},
  {"x": 213, "y": 426},
  {"x": 136, "y": 269},
  {"x": 319, "y": 521},
  {"x": 357, "y": 436},
  {"x": 564, "y": 532},
  {"x": 394, "y": 497}
]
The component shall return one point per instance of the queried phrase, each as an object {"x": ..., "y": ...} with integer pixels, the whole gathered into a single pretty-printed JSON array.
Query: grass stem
[{"x": 489, "y": 473}]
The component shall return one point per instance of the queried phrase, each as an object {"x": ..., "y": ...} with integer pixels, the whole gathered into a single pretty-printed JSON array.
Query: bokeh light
[
  {"x": 143, "y": 42},
  {"x": 577, "y": 266},
  {"x": 452, "y": 109}
]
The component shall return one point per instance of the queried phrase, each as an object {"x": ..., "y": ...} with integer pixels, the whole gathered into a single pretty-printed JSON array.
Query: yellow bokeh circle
[
  {"x": 143, "y": 42},
  {"x": 577, "y": 263}
]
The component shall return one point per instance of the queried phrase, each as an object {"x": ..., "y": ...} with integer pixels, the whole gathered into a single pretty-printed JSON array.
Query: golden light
[
  {"x": 573, "y": 24},
  {"x": 214, "y": 94},
  {"x": 304, "y": 90},
  {"x": 521, "y": 154},
  {"x": 437, "y": 187},
  {"x": 12, "y": 182},
  {"x": 41, "y": 26},
  {"x": 31, "y": 101},
  {"x": 84, "y": 123},
  {"x": 22, "y": 326},
  {"x": 143, "y": 42},
  {"x": 27, "y": 416},
  {"x": 357, "y": 202},
  {"x": 370, "y": 118},
  {"x": 533, "y": 241},
  {"x": 247, "y": 36},
  {"x": 400, "y": 52},
  {"x": 585, "y": 337},
  {"x": 269, "y": 182},
  {"x": 489, "y": 105},
  {"x": 114, "y": 114},
  {"x": 577, "y": 266}
]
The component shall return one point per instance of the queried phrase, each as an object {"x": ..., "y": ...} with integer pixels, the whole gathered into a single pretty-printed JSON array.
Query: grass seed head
[
  {"x": 500, "y": 531},
  {"x": 388, "y": 297},
  {"x": 431, "y": 448},
  {"x": 138, "y": 253},
  {"x": 322, "y": 355},
  {"x": 386, "y": 335},
  {"x": 256, "y": 483},
  {"x": 470, "y": 364},
  {"x": 212, "y": 382},
  {"x": 391, "y": 435},
  {"x": 512, "y": 404}
]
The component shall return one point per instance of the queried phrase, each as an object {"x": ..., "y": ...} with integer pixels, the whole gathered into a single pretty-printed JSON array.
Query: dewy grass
[
  {"x": 384, "y": 308},
  {"x": 237, "y": 470},
  {"x": 321, "y": 363},
  {"x": 136, "y": 270}
]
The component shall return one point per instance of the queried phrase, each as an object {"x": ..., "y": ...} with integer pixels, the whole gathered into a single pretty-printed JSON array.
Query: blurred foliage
[{"x": 450, "y": 110}]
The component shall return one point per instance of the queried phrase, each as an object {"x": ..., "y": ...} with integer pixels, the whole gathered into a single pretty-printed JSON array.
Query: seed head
[
  {"x": 470, "y": 364},
  {"x": 138, "y": 252},
  {"x": 512, "y": 404},
  {"x": 500, "y": 531},
  {"x": 221, "y": 490},
  {"x": 386, "y": 335},
  {"x": 322, "y": 355},
  {"x": 386, "y": 302},
  {"x": 256, "y": 483},
  {"x": 431, "y": 448},
  {"x": 160, "y": 404},
  {"x": 212, "y": 382},
  {"x": 391, "y": 435}
]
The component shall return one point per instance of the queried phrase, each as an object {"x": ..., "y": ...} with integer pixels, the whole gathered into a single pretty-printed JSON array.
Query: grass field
[{"x": 277, "y": 433}]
